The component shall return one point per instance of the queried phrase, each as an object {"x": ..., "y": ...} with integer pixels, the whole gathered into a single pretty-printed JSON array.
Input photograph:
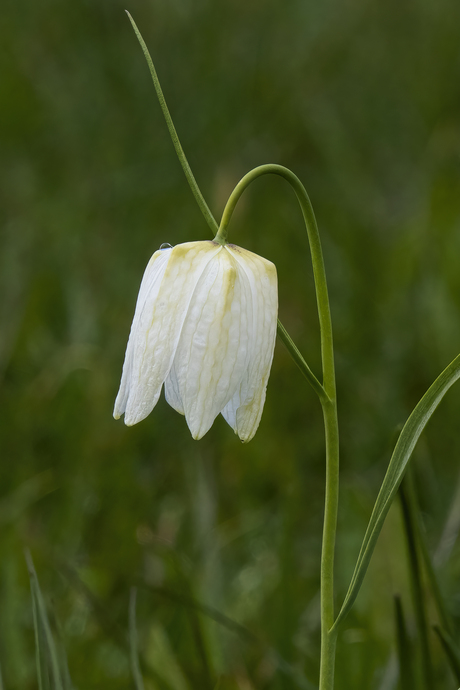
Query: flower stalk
[
  {"x": 327, "y": 395},
  {"x": 326, "y": 390}
]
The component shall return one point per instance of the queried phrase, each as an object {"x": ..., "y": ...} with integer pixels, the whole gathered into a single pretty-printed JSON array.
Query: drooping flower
[{"x": 205, "y": 326}]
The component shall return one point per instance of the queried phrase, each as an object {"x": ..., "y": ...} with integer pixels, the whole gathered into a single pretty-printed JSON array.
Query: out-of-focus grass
[{"x": 362, "y": 101}]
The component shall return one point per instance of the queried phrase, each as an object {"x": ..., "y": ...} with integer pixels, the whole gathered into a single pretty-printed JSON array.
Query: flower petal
[
  {"x": 148, "y": 292},
  {"x": 213, "y": 350},
  {"x": 172, "y": 394},
  {"x": 157, "y": 328},
  {"x": 244, "y": 410}
]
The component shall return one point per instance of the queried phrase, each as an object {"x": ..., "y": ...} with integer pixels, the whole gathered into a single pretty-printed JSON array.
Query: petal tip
[
  {"x": 197, "y": 435},
  {"x": 245, "y": 438}
]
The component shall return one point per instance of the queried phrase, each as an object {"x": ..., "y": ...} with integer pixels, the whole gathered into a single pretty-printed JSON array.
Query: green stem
[
  {"x": 319, "y": 273},
  {"x": 327, "y": 395},
  {"x": 329, "y": 636}
]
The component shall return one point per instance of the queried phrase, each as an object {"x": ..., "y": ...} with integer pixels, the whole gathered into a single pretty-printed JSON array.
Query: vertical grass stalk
[
  {"x": 44, "y": 641},
  {"x": 404, "y": 647},
  {"x": 415, "y": 568},
  {"x": 451, "y": 650},
  {"x": 133, "y": 642}
]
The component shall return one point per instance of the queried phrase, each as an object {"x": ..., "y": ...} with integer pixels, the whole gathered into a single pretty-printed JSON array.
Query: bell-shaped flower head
[{"x": 205, "y": 326}]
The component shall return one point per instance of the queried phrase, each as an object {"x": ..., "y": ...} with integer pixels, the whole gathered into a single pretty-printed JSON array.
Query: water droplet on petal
[{"x": 165, "y": 245}]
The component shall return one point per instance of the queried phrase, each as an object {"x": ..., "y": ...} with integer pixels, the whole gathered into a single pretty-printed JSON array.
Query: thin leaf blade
[
  {"x": 405, "y": 445},
  {"x": 451, "y": 650},
  {"x": 133, "y": 642},
  {"x": 404, "y": 647},
  {"x": 41, "y": 618}
]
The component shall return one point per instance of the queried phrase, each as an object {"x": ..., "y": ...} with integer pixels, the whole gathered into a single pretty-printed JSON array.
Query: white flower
[{"x": 205, "y": 326}]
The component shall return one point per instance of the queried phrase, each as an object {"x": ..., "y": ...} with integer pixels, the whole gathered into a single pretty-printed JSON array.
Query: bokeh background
[{"x": 361, "y": 99}]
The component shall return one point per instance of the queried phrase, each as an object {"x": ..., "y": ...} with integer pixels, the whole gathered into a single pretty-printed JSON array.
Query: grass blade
[
  {"x": 408, "y": 504},
  {"x": 432, "y": 579},
  {"x": 404, "y": 647},
  {"x": 451, "y": 650},
  {"x": 66, "y": 679},
  {"x": 398, "y": 463},
  {"x": 41, "y": 620},
  {"x": 133, "y": 642},
  {"x": 40, "y": 659}
]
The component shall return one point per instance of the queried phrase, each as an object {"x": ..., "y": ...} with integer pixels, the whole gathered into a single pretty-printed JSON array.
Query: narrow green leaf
[
  {"x": 409, "y": 511},
  {"x": 66, "y": 679},
  {"x": 301, "y": 363},
  {"x": 404, "y": 647},
  {"x": 401, "y": 456},
  {"x": 451, "y": 650},
  {"x": 173, "y": 133},
  {"x": 41, "y": 617},
  {"x": 198, "y": 637},
  {"x": 133, "y": 642},
  {"x": 40, "y": 659},
  {"x": 430, "y": 572}
]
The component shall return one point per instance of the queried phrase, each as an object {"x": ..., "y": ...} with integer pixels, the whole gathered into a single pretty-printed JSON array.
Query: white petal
[
  {"x": 172, "y": 394},
  {"x": 148, "y": 291},
  {"x": 158, "y": 323},
  {"x": 244, "y": 410},
  {"x": 213, "y": 350}
]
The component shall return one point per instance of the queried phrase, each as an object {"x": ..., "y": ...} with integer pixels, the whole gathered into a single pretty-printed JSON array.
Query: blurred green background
[{"x": 361, "y": 99}]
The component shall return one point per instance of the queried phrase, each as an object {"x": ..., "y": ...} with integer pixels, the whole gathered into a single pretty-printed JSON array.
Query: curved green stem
[
  {"x": 327, "y": 352},
  {"x": 328, "y": 401}
]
